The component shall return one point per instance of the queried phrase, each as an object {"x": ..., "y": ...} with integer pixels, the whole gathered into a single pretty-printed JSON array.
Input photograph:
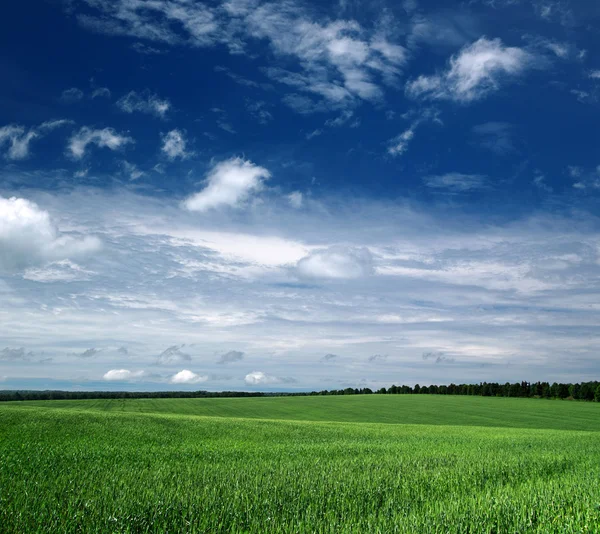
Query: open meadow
[{"x": 372, "y": 463}]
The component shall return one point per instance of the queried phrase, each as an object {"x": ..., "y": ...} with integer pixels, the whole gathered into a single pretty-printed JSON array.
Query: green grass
[
  {"x": 395, "y": 409},
  {"x": 245, "y": 465}
]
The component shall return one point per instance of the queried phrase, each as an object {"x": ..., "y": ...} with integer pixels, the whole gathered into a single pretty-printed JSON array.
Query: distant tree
[
  {"x": 563, "y": 391},
  {"x": 417, "y": 388},
  {"x": 575, "y": 391},
  {"x": 597, "y": 394}
]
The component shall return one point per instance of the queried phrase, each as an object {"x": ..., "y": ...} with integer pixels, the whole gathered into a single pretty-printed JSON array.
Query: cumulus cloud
[
  {"x": 144, "y": 103},
  {"x": 473, "y": 73},
  {"x": 119, "y": 375},
  {"x": 173, "y": 355},
  {"x": 337, "y": 262},
  {"x": 231, "y": 357},
  {"x": 174, "y": 145},
  {"x": 258, "y": 378},
  {"x": 187, "y": 377},
  {"x": 28, "y": 237},
  {"x": 229, "y": 183},
  {"x": 71, "y": 95},
  {"x": 105, "y": 138},
  {"x": 456, "y": 182}
]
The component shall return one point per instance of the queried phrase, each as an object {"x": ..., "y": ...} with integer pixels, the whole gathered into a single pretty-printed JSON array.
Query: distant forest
[{"x": 586, "y": 391}]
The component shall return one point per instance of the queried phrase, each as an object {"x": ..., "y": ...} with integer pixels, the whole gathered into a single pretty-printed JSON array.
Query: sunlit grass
[{"x": 66, "y": 470}]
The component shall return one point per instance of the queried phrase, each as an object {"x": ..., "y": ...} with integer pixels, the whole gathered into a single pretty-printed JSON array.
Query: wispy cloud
[
  {"x": 337, "y": 60},
  {"x": 456, "y": 182},
  {"x": 145, "y": 102},
  {"x": 259, "y": 110},
  {"x": 18, "y": 138},
  {"x": 101, "y": 92},
  {"x": 71, "y": 95},
  {"x": 398, "y": 145},
  {"x": 104, "y": 138}
]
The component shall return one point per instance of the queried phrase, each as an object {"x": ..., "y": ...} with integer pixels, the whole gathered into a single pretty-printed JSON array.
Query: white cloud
[
  {"x": 456, "y": 182},
  {"x": 120, "y": 375},
  {"x": 174, "y": 145},
  {"x": 473, "y": 73},
  {"x": 187, "y": 377},
  {"x": 28, "y": 237},
  {"x": 105, "y": 138},
  {"x": 71, "y": 95},
  {"x": 595, "y": 74},
  {"x": 258, "y": 378},
  {"x": 336, "y": 262},
  {"x": 229, "y": 183},
  {"x": 144, "y": 103}
]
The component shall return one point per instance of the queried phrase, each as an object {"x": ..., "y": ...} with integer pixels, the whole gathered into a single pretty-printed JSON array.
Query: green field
[{"x": 390, "y": 463}]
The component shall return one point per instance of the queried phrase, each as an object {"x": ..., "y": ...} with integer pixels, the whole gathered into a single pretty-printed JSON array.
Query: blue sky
[{"x": 293, "y": 195}]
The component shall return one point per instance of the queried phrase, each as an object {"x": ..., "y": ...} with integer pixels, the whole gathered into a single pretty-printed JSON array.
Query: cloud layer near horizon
[{"x": 501, "y": 301}]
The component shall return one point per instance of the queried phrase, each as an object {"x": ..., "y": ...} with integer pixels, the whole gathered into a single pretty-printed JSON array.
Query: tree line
[{"x": 585, "y": 391}]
